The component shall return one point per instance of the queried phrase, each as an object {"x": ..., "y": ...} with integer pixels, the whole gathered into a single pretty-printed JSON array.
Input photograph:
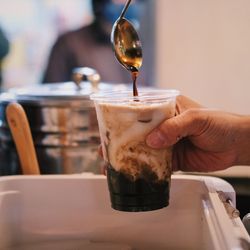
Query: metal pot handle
[{"x": 91, "y": 75}]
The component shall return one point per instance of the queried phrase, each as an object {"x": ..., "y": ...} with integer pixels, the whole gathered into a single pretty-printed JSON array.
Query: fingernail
[{"x": 155, "y": 139}]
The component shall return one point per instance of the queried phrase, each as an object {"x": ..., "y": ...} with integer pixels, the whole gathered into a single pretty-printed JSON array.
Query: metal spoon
[{"x": 126, "y": 44}]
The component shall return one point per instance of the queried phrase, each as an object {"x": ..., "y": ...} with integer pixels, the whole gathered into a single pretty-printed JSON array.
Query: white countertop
[{"x": 236, "y": 171}]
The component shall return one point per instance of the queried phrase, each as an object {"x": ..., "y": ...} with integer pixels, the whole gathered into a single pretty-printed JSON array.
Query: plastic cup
[{"x": 138, "y": 176}]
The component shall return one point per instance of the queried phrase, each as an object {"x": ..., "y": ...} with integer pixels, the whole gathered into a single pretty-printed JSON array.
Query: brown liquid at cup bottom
[{"x": 142, "y": 194}]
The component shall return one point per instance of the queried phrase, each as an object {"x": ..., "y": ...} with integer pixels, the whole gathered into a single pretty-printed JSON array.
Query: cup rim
[{"x": 152, "y": 95}]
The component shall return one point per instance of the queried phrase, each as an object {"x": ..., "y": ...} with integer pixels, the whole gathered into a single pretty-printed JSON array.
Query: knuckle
[
  {"x": 198, "y": 117},
  {"x": 195, "y": 115}
]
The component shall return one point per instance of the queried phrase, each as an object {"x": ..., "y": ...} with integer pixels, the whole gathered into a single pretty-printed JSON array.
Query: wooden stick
[{"x": 22, "y": 137}]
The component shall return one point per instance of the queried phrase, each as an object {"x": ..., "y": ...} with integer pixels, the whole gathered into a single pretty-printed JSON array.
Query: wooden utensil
[{"x": 22, "y": 137}]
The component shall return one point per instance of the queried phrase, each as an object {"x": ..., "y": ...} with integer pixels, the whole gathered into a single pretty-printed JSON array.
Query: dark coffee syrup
[
  {"x": 134, "y": 195},
  {"x": 134, "y": 78},
  {"x": 134, "y": 73}
]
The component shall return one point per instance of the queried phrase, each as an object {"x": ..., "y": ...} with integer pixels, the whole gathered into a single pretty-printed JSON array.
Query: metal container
[{"x": 63, "y": 125}]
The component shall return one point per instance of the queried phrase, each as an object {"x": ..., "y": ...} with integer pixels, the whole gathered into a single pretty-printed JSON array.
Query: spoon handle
[
  {"x": 22, "y": 137},
  {"x": 125, "y": 9}
]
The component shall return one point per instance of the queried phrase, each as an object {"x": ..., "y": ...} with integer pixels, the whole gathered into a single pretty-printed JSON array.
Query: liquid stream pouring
[{"x": 127, "y": 46}]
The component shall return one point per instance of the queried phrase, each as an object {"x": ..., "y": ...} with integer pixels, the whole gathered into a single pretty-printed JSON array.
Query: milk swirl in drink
[
  {"x": 124, "y": 127},
  {"x": 138, "y": 175}
]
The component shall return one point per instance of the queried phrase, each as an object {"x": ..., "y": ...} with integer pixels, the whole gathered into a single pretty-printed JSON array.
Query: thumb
[{"x": 188, "y": 123}]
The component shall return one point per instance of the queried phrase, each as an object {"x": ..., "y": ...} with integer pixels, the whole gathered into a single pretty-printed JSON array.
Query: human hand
[
  {"x": 103, "y": 165},
  {"x": 204, "y": 139}
]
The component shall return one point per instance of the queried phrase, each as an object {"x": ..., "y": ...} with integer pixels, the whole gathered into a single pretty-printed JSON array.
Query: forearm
[{"x": 243, "y": 145}]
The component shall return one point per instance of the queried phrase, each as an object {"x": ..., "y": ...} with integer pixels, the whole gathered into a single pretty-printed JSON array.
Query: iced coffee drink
[{"x": 138, "y": 176}]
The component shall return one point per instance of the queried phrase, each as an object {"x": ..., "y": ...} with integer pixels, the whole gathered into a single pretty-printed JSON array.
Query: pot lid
[
  {"x": 58, "y": 94},
  {"x": 76, "y": 93},
  {"x": 63, "y": 91},
  {"x": 78, "y": 89}
]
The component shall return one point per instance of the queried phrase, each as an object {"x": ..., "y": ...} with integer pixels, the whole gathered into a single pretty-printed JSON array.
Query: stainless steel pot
[{"x": 63, "y": 125}]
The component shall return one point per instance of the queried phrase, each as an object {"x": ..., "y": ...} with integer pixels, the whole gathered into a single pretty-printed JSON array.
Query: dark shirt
[
  {"x": 84, "y": 47},
  {"x": 4, "y": 50}
]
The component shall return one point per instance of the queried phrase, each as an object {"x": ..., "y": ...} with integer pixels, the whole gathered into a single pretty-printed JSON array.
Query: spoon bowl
[{"x": 126, "y": 44}]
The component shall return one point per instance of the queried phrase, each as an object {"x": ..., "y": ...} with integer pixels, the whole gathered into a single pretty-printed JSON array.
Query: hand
[
  {"x": 204, "y": 139},
  {"x": 103, "y": 165}
]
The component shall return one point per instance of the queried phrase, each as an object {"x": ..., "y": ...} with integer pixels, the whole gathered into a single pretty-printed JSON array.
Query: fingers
[
  {"x": 188, "y": 123},
  {"x": 104, "y": 167},
  {"x": 100, "y": 153},
  {"x": 172, "y": 130}
]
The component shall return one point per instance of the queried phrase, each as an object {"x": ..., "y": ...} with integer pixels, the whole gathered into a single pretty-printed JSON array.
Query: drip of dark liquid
[{"x": 134, "y": 74}]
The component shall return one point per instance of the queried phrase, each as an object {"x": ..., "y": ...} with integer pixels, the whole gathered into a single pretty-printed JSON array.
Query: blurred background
[
  {"x": 203, "y": 50},
  {"x": 32, "y": 27},
  {"x": 201, "y": 47}
]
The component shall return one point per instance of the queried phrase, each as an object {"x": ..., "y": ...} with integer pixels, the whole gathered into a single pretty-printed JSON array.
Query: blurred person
[
  {"x": 90, "y": 46},
  {"x": 4, "y": 50},
  {"x": 203, "y": 139}
]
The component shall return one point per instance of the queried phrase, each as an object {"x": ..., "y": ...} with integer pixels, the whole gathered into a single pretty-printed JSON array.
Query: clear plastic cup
[{"x": 138, "y": 176}]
